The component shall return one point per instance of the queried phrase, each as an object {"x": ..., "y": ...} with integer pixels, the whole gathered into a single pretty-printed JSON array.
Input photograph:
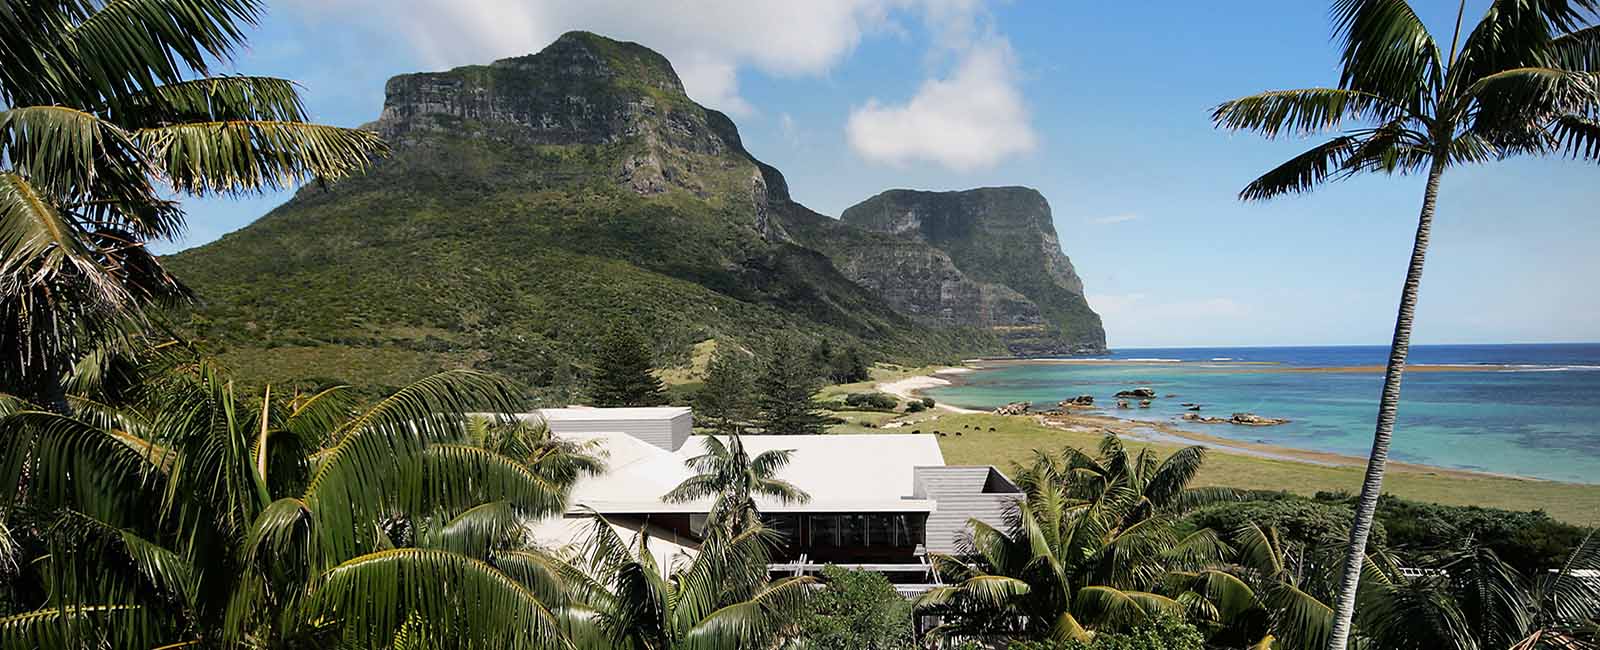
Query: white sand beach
[{"x": 907, "y": 388}]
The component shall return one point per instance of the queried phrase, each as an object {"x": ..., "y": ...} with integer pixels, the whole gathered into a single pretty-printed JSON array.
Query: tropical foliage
[
  {"x": 190, "y": 514},
  {"x": 858, "y": 610},
  {"x": 1524, "y": 81},
  {"x": 109, "y": 108},
  {"x": 1093, "y": 545},
  {"x": 727, "y": 473},
  {"x": 720, "y": 599}
]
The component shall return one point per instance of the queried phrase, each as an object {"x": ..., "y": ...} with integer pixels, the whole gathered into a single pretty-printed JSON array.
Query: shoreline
[
  {"x": 909, "y": 388},
  {"x": 1160, "y": 432}
]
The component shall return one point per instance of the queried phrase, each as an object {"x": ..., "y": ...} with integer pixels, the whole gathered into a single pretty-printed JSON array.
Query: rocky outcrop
[
  {"x": 1141, "y": 392},
  {"x": 1241, "y": 419},
  {"x": 1014, "y": 408},
  {"x": 1079, "y": 402},
  {"x": 1001, "y": 236}
]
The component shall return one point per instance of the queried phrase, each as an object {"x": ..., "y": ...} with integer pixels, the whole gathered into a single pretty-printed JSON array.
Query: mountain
[
  {"x": 1003, "y": 239},
  {"x": 529, "y": 204}
]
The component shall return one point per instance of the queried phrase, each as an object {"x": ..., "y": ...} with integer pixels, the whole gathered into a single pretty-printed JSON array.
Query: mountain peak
[
  {"x": 581, "y": 89},
  {"x": 590, "y": 55}
]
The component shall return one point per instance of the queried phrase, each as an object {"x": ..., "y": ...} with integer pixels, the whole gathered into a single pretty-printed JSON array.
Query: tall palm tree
[
  {"x": 109, "y": 108},
  {"x": 1521, "y": 82},
  {"x": 1091, "y": 545},
  {"x": 196, "y": 516},
  {"x": 722, "y": 599},
  {"x": 728, "y": 473}
]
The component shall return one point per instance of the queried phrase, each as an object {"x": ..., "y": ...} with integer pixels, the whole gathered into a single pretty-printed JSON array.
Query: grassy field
[{"x": 1015, "y": 438}]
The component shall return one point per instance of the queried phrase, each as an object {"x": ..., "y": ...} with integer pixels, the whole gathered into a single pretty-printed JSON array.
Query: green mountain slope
[{"x": 528, "y": 205}]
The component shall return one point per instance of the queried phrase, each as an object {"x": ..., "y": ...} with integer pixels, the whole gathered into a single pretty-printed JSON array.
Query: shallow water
[{"x": 1534, "y": 410}]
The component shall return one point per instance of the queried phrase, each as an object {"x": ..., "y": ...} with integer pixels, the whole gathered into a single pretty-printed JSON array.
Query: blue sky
[{"x": 1101, "y": 106}]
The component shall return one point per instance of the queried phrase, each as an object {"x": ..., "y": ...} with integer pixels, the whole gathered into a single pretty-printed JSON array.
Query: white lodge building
[{"x": 879, "y": 502}]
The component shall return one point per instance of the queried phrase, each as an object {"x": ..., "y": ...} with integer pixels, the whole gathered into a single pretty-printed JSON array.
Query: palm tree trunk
[{"x": 1388, "y": 407}]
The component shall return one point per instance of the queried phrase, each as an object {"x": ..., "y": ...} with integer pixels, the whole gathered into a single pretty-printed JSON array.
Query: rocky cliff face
[{"x": 1003, "y": 240}]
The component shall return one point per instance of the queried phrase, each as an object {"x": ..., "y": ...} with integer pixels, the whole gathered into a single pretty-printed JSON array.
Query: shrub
[
  {"x": 927, "y": 402},
  {"x": 915, "y": 407},
  {"x": 1530, "y": 541},
  {"x": 857, "y": 609},
  {"x": 880, "y": 401},
  {"x": 1299, "y": 520},
  {"x": 1165, "y": 633}
]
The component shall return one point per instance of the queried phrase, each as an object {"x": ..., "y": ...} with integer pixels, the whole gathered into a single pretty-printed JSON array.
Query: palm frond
[
  {"x": 1302, "y": 173},
  {"x": 1117, "y": 608},
  {"x": 455, "y": 477},
  {"x": 468, "y": 600},
  {"x": 1299, "y": 620},
  {"x": 1578, "y": 51},
  {"x": 1302, "y": 112},
  {"x": 1387, "y": 51},
  {"x": 81, "y": 52},
  {"x": 210, "y": 99},
  {"x": 1578, "y": 137},
  {"x": 476, "y": 532},
  {"x": 75, "y": 155},
  {"x": 753, "y": 622},
  {"x": 240, "y": 156},
  {"x": 77, "y": 626}
]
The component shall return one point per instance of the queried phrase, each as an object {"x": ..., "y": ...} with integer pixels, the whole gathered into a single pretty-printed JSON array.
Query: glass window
[
  {"x": 853, "y": 530},
  {"x": 824, "y": 530}
]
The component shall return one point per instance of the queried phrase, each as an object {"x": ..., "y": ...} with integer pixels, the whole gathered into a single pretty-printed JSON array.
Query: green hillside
[{"x": 513, "y": 223}]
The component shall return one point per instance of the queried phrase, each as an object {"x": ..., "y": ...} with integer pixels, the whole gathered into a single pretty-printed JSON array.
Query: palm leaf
[
  {"x": 1302, "y": 112},
  {"x": 1387, "y": 51},
  {"x": 468, "y": 600},
  {"x": 210, "y": 99},
  {"x": 82, "y": 51},
  {"x": 237, "y": 156},
  {"x": 753, "y": 622},
  {"x": 1301, "y": 173}
]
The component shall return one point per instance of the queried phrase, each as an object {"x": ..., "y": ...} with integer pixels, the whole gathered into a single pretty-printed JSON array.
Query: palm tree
[
  {"x": 1467, "y": 597},
  {"x": 1090, "y": 545},
  {"x": 728, "y": 473},
  {"x": 722, "y": 599},
  {"x": 193, "y": 515},
  {"x": 1522, "y": 82},
  {"x": 1464, "y": 598},
  {"x": 109, "y": 106},
  {"x": 559, "y": 461}
]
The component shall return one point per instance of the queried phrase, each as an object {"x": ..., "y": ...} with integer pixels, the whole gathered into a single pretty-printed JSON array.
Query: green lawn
[{"x": 1015, "y": 438}]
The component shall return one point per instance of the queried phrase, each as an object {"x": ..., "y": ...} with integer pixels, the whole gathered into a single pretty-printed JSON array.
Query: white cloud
[
  {"x": 1115, "y": 219},
  {"x": 708, "y": 41},
  {"x": 790, "y": 131},
  {"x": 972, "y": 119}
]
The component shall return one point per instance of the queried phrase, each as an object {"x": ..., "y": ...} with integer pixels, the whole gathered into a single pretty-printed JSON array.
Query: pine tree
[
  {"x": 727, "y": 399},
  {"x": 622, "y": 372},
  {"x": 787, "y": 384}
]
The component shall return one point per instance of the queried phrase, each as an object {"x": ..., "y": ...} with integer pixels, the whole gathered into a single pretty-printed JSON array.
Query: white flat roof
[
  {"x": 842, "y": 473},
  {"x": 573, "y": 413}
]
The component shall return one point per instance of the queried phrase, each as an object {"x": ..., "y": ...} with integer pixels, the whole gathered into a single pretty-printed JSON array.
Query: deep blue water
[{"x": 1534, "y": 410}]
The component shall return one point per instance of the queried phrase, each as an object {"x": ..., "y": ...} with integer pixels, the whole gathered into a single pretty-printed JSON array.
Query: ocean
[{"x": 1528, "y": 410}]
